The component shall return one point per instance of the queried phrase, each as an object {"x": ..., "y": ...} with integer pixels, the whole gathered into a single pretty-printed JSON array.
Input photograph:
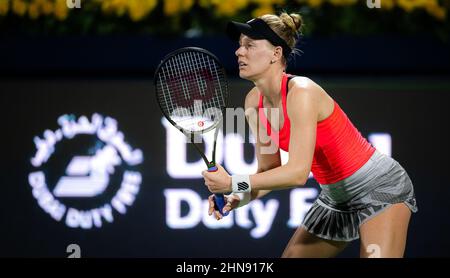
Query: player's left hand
[{"x": 218, "y": 181}]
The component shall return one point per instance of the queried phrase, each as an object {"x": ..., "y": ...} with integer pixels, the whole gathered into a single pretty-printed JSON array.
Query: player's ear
[{"x": 277, "y": 53}]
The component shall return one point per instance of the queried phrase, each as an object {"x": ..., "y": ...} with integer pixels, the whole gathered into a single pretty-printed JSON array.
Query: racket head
[{"x": 191, "y": 89}]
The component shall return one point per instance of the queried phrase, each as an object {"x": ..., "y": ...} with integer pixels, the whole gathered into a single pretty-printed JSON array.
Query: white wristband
[
  {"x": 240, "y": 183},
  {"x": 245, "y": 198}
]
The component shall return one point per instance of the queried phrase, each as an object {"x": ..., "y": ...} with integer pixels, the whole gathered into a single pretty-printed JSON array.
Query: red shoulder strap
[
  {"x": 284, "y": 89},
  {"x": 262, "y": 116}
]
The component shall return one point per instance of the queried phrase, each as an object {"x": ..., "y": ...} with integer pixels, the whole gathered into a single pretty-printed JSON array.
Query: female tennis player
[{"x": 365, "y": 194}]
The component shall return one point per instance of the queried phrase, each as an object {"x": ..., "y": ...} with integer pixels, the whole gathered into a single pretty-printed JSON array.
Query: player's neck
[{"x": 269, "y": 85}]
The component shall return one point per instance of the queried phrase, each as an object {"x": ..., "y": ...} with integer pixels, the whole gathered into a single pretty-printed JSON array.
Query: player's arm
[
  {"x": 270, "y": 158},
  {"x": 303, "y": 112},
  {"x": 303, "y": 107},
  {"x": 266, "y": 161}
]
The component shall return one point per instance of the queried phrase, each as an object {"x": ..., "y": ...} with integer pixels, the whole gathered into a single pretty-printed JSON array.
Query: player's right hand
[{"x": 231, "y": 202}]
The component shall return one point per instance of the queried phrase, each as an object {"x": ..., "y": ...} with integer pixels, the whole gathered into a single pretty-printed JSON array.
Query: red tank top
[{"x": 340, "y": 148}]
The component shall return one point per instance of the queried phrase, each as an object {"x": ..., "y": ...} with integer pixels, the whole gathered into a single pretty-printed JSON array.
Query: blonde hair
[{"x": 287, "y": 26}]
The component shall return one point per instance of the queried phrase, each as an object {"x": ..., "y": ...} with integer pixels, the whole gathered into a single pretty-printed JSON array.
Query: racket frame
[{"x": 219, "y": 200}]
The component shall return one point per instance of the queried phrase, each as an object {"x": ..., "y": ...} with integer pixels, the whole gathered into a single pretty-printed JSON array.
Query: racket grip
[
  {"x": 219, "y": 199},
  {"x": 219, "y": 202},
  {"x": 212, "y": 168}
]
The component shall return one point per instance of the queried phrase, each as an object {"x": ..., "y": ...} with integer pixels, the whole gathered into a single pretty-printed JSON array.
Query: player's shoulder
[
  {"x": 252, "y": 98},
  {"x": 304, "y": 87},
  {"x": 298, "y": 82}
]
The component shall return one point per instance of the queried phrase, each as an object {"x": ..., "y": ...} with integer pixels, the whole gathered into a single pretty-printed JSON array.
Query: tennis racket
[{"x": 191, "y": 90}]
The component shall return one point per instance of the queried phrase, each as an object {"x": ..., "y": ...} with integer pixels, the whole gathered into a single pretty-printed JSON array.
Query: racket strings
[
  {"x": 217, "y": 100},
  {"x": 188, "y": 79},
  {"x": 220, "y": 97}
]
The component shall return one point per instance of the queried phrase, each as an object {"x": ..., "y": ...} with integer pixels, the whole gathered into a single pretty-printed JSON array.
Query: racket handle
[
  {"x": 219, "y": 199},
  {"x": 212, "y": 168}
]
